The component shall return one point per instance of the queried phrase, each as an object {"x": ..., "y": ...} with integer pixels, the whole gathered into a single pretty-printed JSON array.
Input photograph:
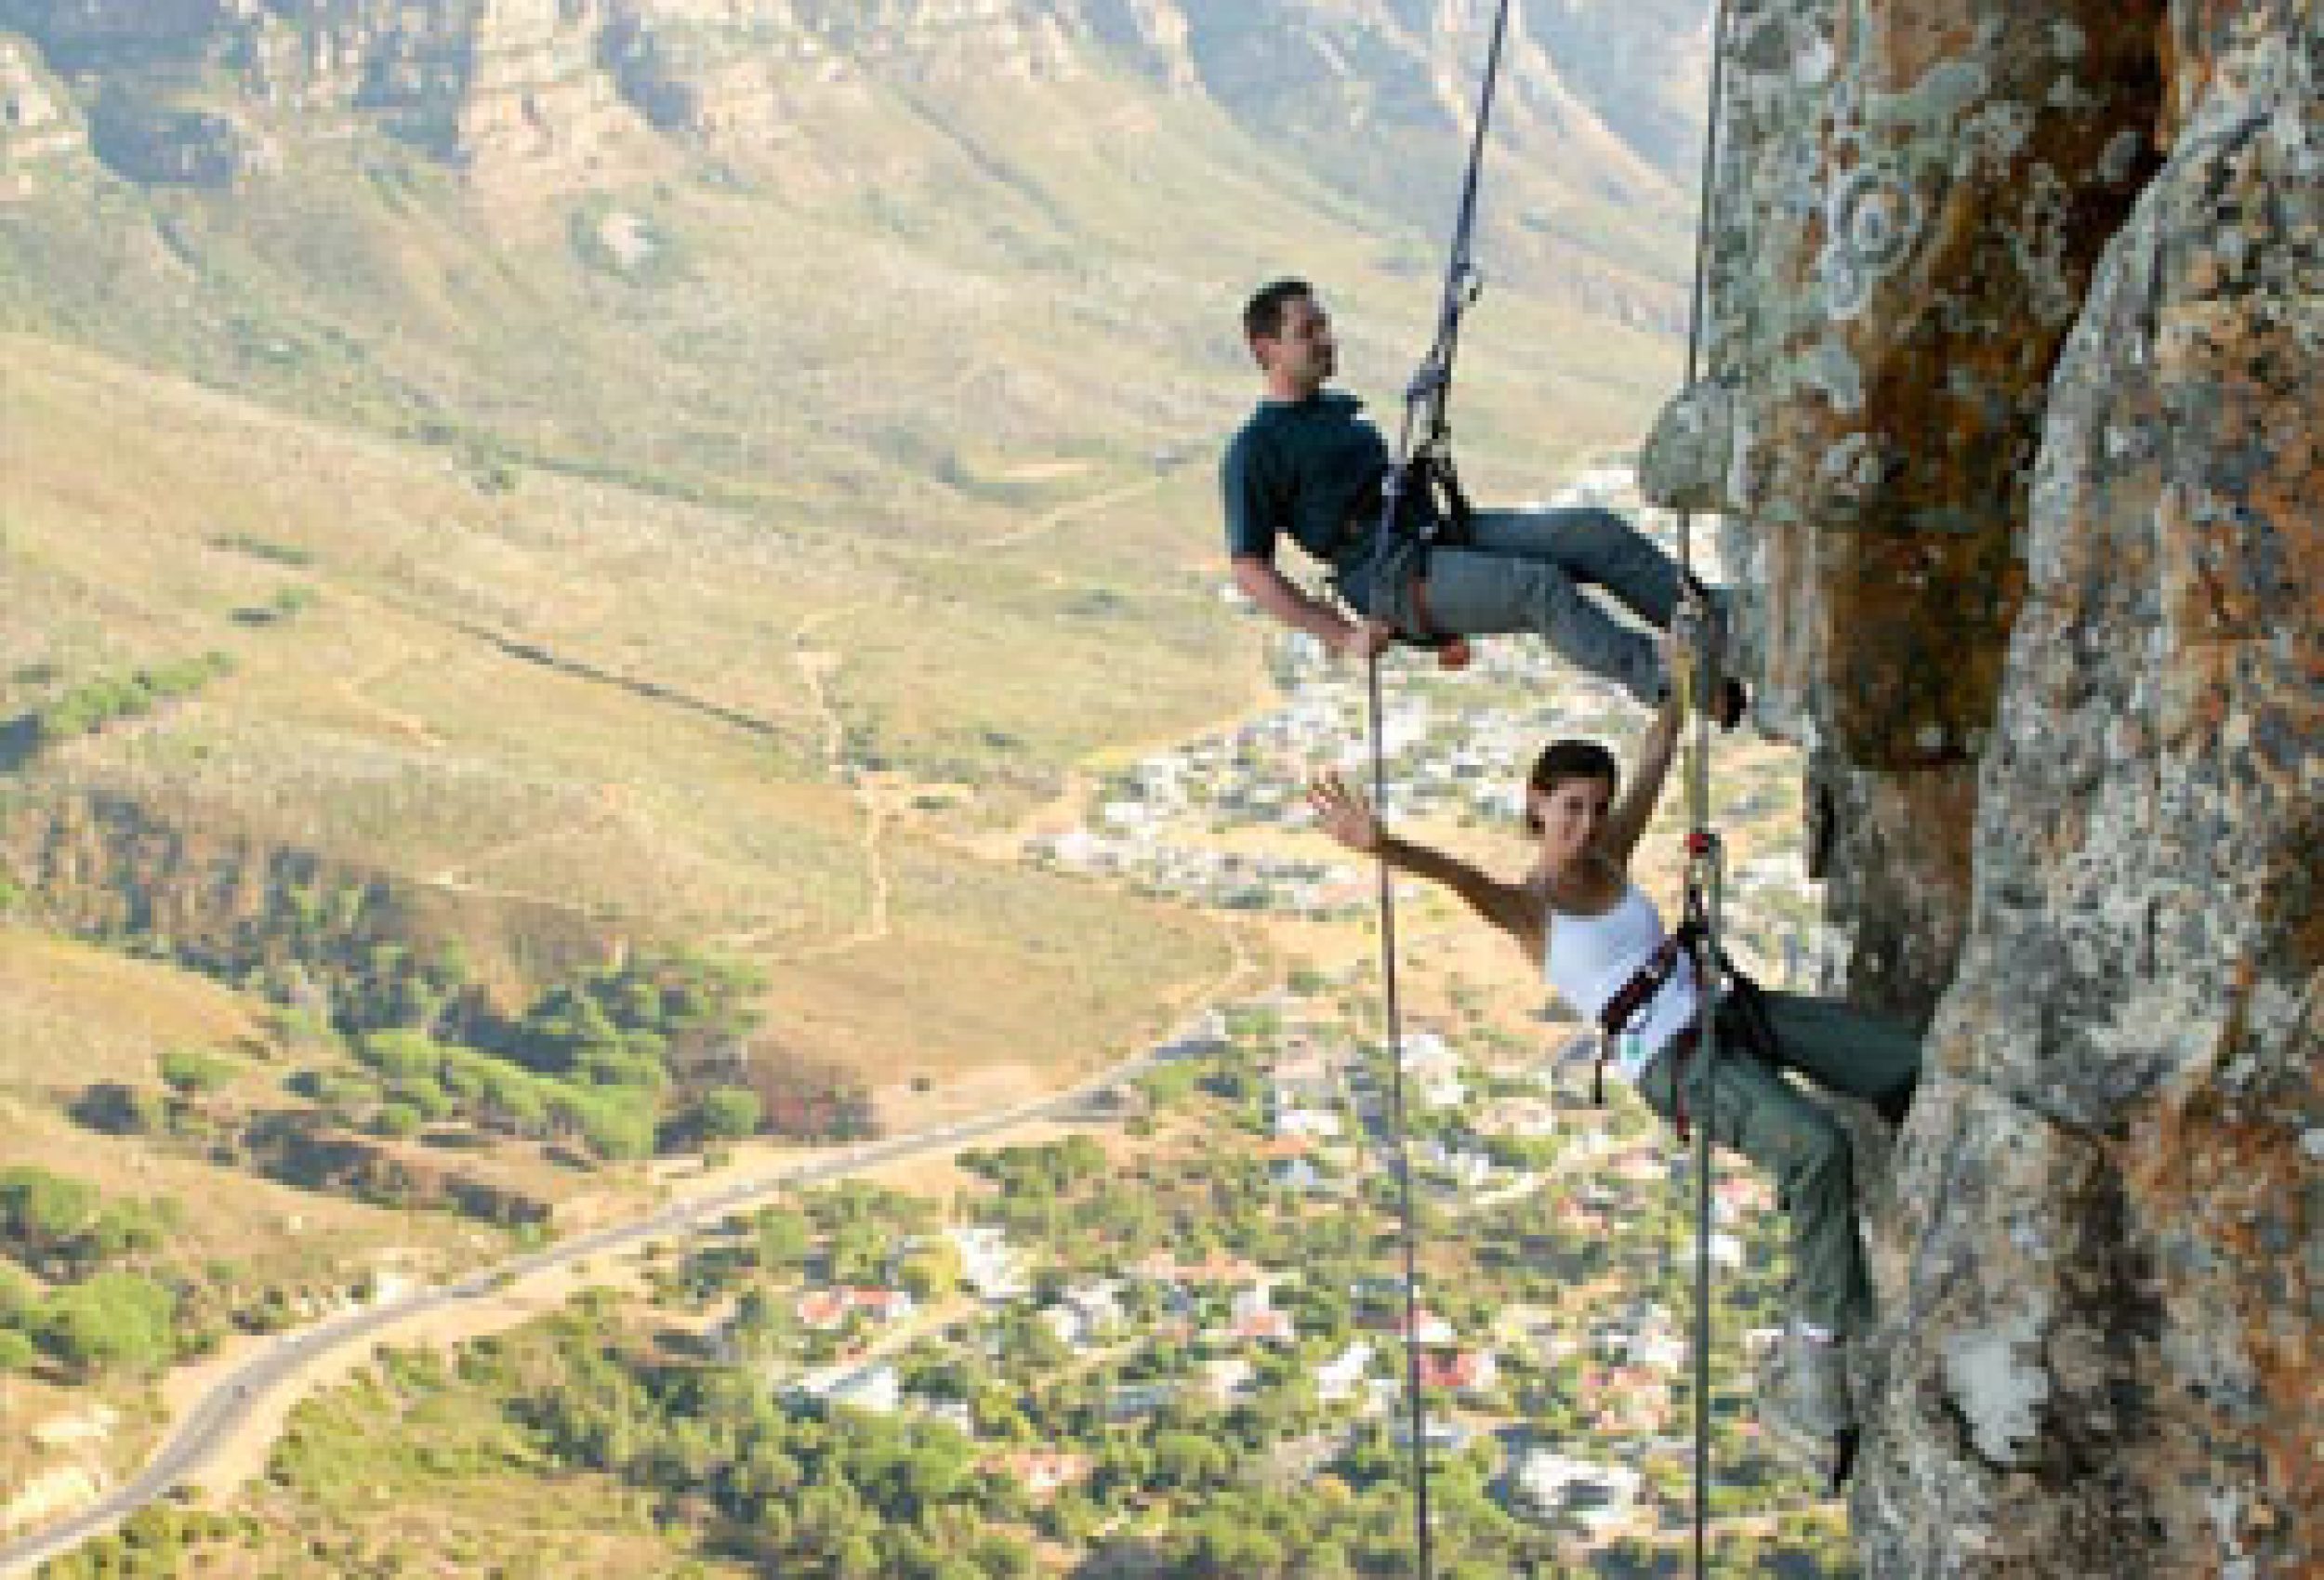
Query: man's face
[{"x": 1304, "y": 354}]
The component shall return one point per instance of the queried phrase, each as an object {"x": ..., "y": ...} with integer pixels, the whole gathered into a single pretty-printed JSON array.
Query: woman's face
[{"x": 1570, "y": 813}]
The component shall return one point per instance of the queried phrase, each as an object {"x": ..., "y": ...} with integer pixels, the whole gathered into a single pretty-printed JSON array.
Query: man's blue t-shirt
[{"x": 1310, "y": 469}]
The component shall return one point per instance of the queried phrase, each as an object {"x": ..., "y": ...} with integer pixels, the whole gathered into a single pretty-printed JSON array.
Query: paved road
[{"x": 205, "y": 1427}]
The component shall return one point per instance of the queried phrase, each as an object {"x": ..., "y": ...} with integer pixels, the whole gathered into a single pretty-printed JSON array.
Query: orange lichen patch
[
  {"x": 2235, "y": 1186},
  {"x": 1913, "y": 643},
  {"x": 1914, "y": 413},
  {"x": 1902, "y": 45}
]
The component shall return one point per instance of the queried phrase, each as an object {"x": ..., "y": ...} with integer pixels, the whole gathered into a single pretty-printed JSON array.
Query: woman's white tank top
[{"x": 1588, "y": 959}]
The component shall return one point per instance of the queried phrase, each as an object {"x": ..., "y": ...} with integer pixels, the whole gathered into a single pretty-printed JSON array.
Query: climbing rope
[
  {"x": 1424, "y": 433},
  {"x": 1704, "y": 863},
  {"x": 1426, "y": 403},
  {"x": 1416, "y": 1411}
]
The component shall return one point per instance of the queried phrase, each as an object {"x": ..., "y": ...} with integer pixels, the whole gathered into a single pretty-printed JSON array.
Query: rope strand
[
  {"x": 1415, "y": 1408},
  {"x": 1703, "y": 875},
  {"x": 1427, "y": 400}
]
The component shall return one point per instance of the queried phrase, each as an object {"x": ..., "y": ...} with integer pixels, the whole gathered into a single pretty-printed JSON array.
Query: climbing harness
[
  {"x": 1423, "y": 475},
  {"x": 1423, "y": 462}
]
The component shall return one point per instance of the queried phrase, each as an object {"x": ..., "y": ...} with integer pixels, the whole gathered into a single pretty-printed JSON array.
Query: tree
[
  {"x": 782, "y": 1236},
  {"x": 402, "y": 1054},
  {"x": 1183, "y": 1461},
  {"x": 1167, "y": 1086},
  {"x": 1003, "y": 1558},
  {"x": 933, "y": 1268},
  {"x": 115, "y": 1319},
  {"x": 124, "y": 1228},
  {"x": 45, "y": 1213},
  {"x": 398, "y": 1120},
  {"x": 193, "y": 1072},
  {"x": 729, "y": 1114},
  {"x": 115, "y": 1107},
  {"x": 857, "y": 1252},
  {"x": 20, "y": 1297}
]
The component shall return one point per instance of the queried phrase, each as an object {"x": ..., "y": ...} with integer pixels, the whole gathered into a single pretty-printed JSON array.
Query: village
[{"x": 1215, "y": 1268}]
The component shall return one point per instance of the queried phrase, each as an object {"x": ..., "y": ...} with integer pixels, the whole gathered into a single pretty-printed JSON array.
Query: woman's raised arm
[
  {"x": 1349, "y": 819},
  {"x": 1626, "y": 824}
]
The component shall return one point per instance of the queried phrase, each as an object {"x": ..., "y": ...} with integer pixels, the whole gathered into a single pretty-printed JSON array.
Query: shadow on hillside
[
  {"x": 1125, "y": 1560},
  {"x": 19, "y": 737}
]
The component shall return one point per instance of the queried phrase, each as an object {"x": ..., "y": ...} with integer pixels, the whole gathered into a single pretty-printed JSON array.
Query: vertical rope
[
  {"x": 1461, "y": 275},
  {"x": 1703, "y": 847},
  {"x": 1430, "y": 392},
  {"x": 1415, "y": 1406}
]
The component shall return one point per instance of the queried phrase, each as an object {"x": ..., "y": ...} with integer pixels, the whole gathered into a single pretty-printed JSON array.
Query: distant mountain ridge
[
  {"x": 563, "y": 93},
  {"x": 837, "y": 379}
]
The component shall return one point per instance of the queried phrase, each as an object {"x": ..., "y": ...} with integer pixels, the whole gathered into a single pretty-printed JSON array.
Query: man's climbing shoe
[
  {"x": 1803, "y": 1402},
  {"x": 1703, "y": 618},
  {"x": 1733, "y": 703}
]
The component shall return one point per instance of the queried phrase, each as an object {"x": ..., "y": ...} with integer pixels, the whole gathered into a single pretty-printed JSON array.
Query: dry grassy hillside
[{"x": 570, "y": 707}]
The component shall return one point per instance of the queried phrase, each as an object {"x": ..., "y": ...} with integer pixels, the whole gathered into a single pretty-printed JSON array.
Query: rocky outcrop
[
  {"x": 2020, "y": 331},
  {"x": 549, "y": 96},
  {"x": 38, "y": 123},
  {"x": 152, "y": 139},
  {"x": 1911, "y": 203}
]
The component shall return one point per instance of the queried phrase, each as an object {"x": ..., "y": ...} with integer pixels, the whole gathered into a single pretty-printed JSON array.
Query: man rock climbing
[{"x": 1308, "y": 467}]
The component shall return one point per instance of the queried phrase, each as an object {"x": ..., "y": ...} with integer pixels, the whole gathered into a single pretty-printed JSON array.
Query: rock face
[
  {"x": 2020, "y": 327},
  {"x": 37, "y": 124}
]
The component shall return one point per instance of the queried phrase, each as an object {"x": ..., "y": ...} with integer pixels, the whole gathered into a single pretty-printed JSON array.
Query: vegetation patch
[{"x": 93, "y": 705}]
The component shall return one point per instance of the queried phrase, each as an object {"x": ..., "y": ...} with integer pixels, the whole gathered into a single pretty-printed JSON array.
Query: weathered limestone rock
[
  {"x": 2105, "y": 1360},
  {"x": 1689, "y": 462},
  {"x": 2029, "y": 492},
  {"x": 39, "y": 124},
  {"x": 1911, "y": 198},
  {"x": 730, "y": 77}
]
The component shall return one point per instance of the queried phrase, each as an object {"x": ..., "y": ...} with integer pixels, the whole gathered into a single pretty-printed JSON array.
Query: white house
[
  {"x": 1320, "y": 1123},
  {"x": 1441, "y": 1088},
  {"x": 1298, "y": 1174},
  {"x": 1227, "y": 1377},
  {"x": 1599, "y": 1496},
  {"x": 1337, "y": 1378},
  {"x": 1425, "y": 1050},
  {"x": 1100, "y": 1304},
  {"x": 875, "y": 1388},
  {"x": 989, "y": 1264}
]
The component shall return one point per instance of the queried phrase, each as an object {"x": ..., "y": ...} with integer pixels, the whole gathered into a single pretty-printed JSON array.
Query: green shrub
[{"x": 192, "y": 1071}]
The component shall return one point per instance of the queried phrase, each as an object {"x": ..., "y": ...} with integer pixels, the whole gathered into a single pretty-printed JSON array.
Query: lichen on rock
[{"x": 2023, "y": 306}]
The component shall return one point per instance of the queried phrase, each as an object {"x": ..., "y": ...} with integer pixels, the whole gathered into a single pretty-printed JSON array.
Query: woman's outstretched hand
[{"x": 1343, "y": 814}]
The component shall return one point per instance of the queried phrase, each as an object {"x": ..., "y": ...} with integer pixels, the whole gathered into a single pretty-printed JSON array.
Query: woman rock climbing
[{"x": 1576, "y": 910}]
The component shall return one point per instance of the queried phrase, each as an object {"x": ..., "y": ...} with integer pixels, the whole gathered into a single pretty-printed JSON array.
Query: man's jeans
[
  {"x": 1523, "y": 570},
  {"x": 1754, "y": 1110}
]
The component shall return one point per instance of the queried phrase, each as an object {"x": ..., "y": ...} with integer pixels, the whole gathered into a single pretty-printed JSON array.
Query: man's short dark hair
[{"x": 1263, "y": 315}]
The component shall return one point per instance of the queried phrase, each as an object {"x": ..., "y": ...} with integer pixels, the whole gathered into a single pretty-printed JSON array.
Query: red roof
[
  {"x": 1463, "y": 1368},
  {"x": 823, "y": 1308}
]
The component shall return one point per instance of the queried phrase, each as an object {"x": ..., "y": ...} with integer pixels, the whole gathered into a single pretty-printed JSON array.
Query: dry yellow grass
[{"x": 669, "y": 776}]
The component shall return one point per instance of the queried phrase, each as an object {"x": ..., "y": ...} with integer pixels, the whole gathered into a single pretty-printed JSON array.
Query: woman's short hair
[{"x": 1562, "y": 761}]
